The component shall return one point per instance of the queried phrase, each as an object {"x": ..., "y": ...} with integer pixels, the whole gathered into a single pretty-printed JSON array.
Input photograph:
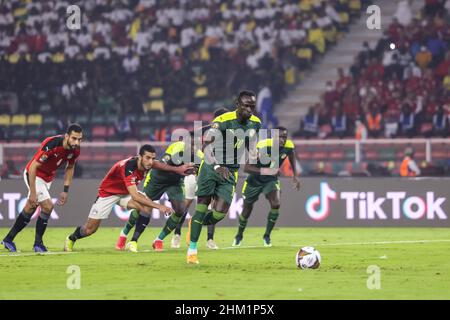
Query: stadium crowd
[
  {"x": 148, "y": 56},
  {"x": 399, "y": 88}
]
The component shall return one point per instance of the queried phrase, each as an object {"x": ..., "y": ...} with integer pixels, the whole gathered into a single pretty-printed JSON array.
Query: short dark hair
[
  {"x": 281, "y": 128},
  {"x": 245, "y": 97},
  {"x": 146, "y": 148},
  {"x": 74, "y": 127},
  {"x": 220, "y": 112}
]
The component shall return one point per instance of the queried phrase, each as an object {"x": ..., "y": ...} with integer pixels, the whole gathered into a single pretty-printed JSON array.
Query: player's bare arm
[
  {"x": 68, "y": 176},
  {"x": 32, "y": 199},
  {"x": 181, "y": 170},
  {"x": 144, "y": 201}
]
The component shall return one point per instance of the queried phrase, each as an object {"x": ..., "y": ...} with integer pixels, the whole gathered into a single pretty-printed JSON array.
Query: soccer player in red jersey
[
  {"x": 38, "y": 175},
  {"x": 120, "y": 187}
]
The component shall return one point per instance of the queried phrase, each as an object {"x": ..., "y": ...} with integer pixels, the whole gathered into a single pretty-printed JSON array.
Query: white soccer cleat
[
  {"x": 175, "y": 243},
  {"x": 132, "y": 246},
  {"x": 210, "y": 244}
]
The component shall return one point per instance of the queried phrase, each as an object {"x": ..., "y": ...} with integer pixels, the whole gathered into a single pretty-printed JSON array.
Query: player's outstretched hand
[
  {"x": 62, "y": 199},
  {"x": 295, "y": 184},
  {"x": 33, "y": 200},
  {"x": 186, "y": 169},
  {"x": 166, "y": 210},
  {"x": 223, "y": 172}
]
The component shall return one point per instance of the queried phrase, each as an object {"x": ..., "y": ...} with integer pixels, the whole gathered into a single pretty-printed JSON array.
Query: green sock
[
  {"x": 271, "y": 220},
  {"x": 197, "y": 222},
  {"x": 242, "y": 225},
  {"x": 170, "y": 225},
  {"x": 131, "y": 222}
]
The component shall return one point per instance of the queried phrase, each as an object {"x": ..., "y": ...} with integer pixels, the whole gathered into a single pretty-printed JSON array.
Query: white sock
[{"x": 192, "y": 251}]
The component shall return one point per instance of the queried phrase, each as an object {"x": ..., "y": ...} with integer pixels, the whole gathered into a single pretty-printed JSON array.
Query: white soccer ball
[{"x": 308, "y": 258}]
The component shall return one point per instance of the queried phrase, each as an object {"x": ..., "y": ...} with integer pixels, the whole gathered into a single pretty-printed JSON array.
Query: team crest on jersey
[
  {"x": 43, "y": 158},
  {"x": 166, "y": 158},
  {"x": 215, "y": 125},
  {"x": 70, "y": 156},
  {"x": 283, "y": 156}
]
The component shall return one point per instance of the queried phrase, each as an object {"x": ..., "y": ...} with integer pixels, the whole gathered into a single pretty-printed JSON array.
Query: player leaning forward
[
  {"x": 38, "y": 175},
  {"x": 120, "y": 187},
  {"x": 217, "y": 176}
]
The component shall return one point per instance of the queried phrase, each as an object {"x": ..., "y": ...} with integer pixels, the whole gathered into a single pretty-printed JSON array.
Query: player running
[
  {"x": 156, "y": 184},
  {"x": 39, "y": 175},
  {"x": 263, "y": 179},
  {"x": 217, "y": 177},
  {"x": 190, "y": 185},
  {"x": 120, "y": 187}
]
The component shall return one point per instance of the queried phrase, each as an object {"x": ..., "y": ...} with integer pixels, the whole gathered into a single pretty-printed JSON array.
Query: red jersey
[
  {"x": 123, "y": 174},
  {"x": 51, "y": 155}
]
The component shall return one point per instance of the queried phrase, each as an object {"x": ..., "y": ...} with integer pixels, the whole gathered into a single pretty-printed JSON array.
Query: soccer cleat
[
  {"x": 210, "y": 244},
  {"x": 267, "y": 242},
  {"x": 175, "y": 241},
  {"x": 237, "y": 241},
  {"x": 68, "y": 245},
  {"x": 158, "y": 245},
  {"x": 120, "y": 244},
  {"x": 132, "y": 246},
  {"x": 9, "y": 245},
  {"x": 188, "y": 233},
  {"x": 39, "y": 247},
  {"x": 192, "y": 259}
]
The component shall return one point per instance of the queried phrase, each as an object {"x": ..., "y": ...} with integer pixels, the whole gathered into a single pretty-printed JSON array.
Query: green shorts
[
  {"x": 210, "y": 183},
  {"x": 251, "y": 191},
  {"x": 154, "y": 188}
]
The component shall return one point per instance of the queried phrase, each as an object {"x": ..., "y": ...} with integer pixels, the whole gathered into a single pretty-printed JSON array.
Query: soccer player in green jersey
[
  {"x": 156, "y": 184},
  {"x": 217, "y": 176},
  {"x": 262, "y": 179}
]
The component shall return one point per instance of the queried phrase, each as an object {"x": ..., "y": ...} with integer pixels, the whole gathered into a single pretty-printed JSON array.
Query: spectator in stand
[
  {"x": 374, "y": 121},
  {"x": 404, "y": 13},
  {"x": 407, "y": 122},
  {"x": 423, "y": 57},
  {"x": 264, "y": 107},
  {"x": 309, "y": 125},
  {"x": 339, "y": 124},
  {"x": 440, "y": 123}
]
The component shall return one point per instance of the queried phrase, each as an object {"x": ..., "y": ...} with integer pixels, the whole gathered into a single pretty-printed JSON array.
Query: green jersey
[
  {"x": 174, "y": 156},
  {"x": 283, "y": 153},
  {"x": 234, "y": 135}
]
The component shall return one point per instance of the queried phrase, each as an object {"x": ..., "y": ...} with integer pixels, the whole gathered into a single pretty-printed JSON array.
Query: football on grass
[{"x": 308, "y": 258}]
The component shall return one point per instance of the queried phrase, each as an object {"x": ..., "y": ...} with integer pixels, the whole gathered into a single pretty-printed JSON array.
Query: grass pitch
[{"x": 410, "y": 268}]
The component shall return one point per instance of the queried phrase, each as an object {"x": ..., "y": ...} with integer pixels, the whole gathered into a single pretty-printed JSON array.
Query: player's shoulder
[
  {"x": 175, "y": 147},
  {"x": 264, "y": 143},
  {"x": 255, "y": 119},
  {"x": 289, "y": 144},
  {"x": 227, "y": 116},
  {"x": 131, "y": 165},
  {"x": 52, "y": 142}
]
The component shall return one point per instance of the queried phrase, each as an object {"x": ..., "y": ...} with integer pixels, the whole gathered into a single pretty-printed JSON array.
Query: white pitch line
[
  {"x": 35, "y": 254},
  {"x": 347, "y": 244}
]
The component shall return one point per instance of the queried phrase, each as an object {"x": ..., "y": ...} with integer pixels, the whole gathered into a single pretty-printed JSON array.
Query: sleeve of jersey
[
  {"x": 128, "y": 177},
  {"x": 42, "y": 156}
]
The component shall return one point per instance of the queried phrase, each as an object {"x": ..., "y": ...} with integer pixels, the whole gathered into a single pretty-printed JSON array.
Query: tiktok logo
[{"x": 318, "y": 207}]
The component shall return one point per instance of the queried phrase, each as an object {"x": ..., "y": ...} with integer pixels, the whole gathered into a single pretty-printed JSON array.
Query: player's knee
[
  {"x": 47, "y": 207},
  {"x": 275, "y": 205}
]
